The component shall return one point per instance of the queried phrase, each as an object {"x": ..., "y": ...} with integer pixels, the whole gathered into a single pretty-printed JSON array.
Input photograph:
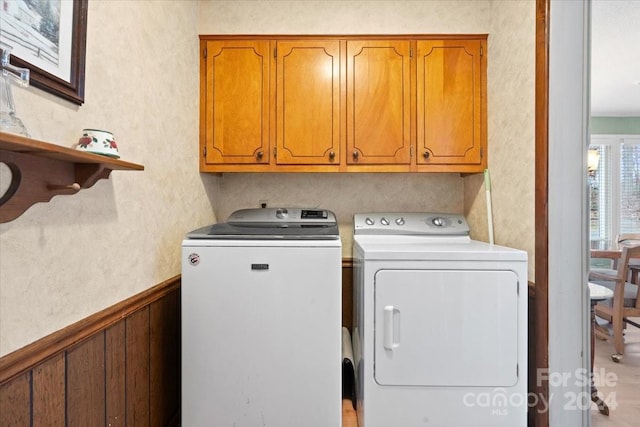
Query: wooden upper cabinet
[
  {"x": 414, "y": 103},
  {"x": 451, "y": 103},
  {"x": 308, "y": 102},
  {"x": 235, "y": 102},
  {"x": 378, "y": 102}
]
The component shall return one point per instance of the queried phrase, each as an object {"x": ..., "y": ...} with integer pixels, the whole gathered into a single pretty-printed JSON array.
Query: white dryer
[{"x": 440, "y": 328}]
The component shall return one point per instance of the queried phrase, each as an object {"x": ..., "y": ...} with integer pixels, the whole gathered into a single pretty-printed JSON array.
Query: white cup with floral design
[{"x": 98, "y": 142}]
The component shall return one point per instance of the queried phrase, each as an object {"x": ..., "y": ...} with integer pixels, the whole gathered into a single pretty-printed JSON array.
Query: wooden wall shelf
[{"x": 41, "y": 170}]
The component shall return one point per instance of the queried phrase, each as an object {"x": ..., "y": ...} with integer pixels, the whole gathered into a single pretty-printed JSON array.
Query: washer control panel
[
  {"x": 268, "y": 217},
  {"x": 411, "y": 223}
]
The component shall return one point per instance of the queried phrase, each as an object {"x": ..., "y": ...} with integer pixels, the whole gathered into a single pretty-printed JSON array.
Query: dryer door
[{"x": 446, "y": 328}]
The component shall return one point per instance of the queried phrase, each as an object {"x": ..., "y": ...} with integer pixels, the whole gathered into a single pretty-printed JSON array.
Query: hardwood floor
[
  {"x": 349, "y": 417},
  {"x": 618, "y": 383}
]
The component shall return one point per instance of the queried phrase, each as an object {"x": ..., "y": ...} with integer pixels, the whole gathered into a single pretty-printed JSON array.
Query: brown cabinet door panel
[
  {"x": 237, "y": 101},
  {"x": 378, "y": 102},
  {"x": 308, "y": 102},
  {"x": 449, "y": 102}
]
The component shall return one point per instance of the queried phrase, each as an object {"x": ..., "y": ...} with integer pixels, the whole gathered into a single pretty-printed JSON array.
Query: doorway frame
[{"x": 561, "y": 242}]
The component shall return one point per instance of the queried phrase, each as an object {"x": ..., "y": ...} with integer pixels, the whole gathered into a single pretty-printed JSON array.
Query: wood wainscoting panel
[
  {"x": 165, "y": 353},
  {"x": 49, "y": 394},
  {"x": 137, "y": 376},
  {"x": 118, "y": 367},
  {"x": 115, "y": 375},
  {"x": 15, "y": 402},
  {"x": 85, "y": 393}
]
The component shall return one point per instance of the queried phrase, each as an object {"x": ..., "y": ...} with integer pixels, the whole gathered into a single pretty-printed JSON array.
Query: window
[{"x": 615, "y": 189}]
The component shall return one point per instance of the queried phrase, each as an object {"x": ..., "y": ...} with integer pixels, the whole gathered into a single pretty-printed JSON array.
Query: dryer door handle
[{"x": 391, "y": 328}]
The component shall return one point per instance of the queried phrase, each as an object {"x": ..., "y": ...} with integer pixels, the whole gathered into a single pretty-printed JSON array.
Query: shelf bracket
[
  {"x": 38, "y": 179},
  {"x": 87, "y": 174}
]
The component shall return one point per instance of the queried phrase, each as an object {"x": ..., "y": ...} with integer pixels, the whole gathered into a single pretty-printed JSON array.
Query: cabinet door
[
  {"x": 450, "y": 102},
  {"x": 378, "y": 102},
  {"x": 308, "y": 102},
  {"x": 235, "y": 114}
]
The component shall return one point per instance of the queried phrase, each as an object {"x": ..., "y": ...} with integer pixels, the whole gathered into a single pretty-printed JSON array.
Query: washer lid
[{"x": 273, "y": 224}]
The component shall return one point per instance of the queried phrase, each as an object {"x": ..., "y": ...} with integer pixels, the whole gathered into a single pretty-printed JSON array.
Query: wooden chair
[
  {"x": 626, "y": 298},
  {"x": 624, "y": 239},
  {"x": 631, "y": 239}
]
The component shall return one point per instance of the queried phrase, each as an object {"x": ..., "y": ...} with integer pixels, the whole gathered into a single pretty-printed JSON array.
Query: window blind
[
  {"x": 614, "y": 189},
  {"x": 630, "y": 186},
  {"x": 601, "y": 212}
]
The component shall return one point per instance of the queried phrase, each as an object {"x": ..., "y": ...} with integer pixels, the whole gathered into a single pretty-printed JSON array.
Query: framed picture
[{"x": 48, "y": 37}]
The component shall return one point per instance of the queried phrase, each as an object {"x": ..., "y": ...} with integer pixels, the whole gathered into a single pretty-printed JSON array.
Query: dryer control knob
[
  {"x": 282, "y": 213},
  {"x": 438, "y": 221},
  {"x": 400, "y": 221},
  {"x": 369, "y": 221},
  {"x": 384, "y": 221}
]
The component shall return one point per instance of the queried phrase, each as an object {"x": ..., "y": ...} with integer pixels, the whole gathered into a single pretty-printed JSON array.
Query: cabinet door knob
[
  {"x": 332, "y": 154},
  {"x": 355, "y": 154},
  {"x": 426, "y": 154},
  {"x": 259, "y": 154}
]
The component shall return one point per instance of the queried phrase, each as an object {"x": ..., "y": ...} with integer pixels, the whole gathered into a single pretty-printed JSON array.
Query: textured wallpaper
[
  {"x": 511, "y": 126},
  {"x": 64, "y": 260},
  {"x": 67, "y": 259},
  {"x": 344, "y": 194},
  {"x": 343, "y": 17}
]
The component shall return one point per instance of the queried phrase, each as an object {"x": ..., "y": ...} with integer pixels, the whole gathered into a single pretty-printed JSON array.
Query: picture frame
[{"x": 52, "y": 45}]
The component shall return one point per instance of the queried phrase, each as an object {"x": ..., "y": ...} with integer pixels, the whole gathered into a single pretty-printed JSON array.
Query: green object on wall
[{"x": 615, "y": 126}]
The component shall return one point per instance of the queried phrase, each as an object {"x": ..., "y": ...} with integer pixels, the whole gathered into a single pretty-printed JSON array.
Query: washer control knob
[
  {"x": 384, "y": 221},
  {"x": 369, "y": 221},
  {"x": 438, "y": 221},
  {"x": 400, "y": 221},
  {"x": 282, "y": 213}
]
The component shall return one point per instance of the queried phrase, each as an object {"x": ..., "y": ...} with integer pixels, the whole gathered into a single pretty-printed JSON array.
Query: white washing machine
[
  {"x": 440, "y": 330},
  {"x": 261, "y": 321}
]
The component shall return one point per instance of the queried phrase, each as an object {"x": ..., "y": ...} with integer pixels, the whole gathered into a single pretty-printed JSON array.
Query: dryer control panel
[{"x": 410, "y": 223}]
